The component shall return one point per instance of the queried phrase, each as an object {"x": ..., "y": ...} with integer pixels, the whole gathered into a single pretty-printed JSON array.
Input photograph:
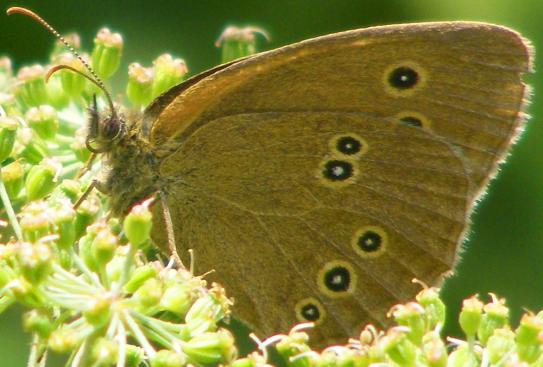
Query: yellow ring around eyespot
[
  {"x": 422, "y": 79},
  {"x": 331, "y": 265},
  {"x": 333, "y": 146},
  {"x": 306, "y": 301},
  {"x": 374, "y": 254},
  {"x": 339, "y": 183},
  {"x": 426, "y": 124}
]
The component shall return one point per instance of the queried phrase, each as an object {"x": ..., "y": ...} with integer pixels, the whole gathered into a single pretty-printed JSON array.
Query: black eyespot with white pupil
[
  {"x": 370, "y": 241},
  {"x": 310, "y": 312},
  {"x": 411, "y": 121},
  {"x": 403, "y": 77},
  {"x": 348, "y": 145},
  {"x": 337, "y": 279},
  {"x": 337, "y": 170}
]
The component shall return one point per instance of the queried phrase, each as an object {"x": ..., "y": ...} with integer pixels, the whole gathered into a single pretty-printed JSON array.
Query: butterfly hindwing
[{"x": 276, "y": 203}]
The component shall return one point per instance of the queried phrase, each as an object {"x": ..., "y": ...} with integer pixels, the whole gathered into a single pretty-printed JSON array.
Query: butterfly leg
[
  {"x": 169, "y": 229},
  {"x": 95, "y": 184},
  {"x": 87, "y": 166}
]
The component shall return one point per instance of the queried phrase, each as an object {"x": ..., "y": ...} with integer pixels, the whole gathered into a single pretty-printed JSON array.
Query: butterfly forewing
[{"x": 465, "y": 85}]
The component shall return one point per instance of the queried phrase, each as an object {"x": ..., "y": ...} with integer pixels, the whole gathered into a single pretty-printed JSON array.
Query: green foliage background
[{"x": 504, "y": 253}]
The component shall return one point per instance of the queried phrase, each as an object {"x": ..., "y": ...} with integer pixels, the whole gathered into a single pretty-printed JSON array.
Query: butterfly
[{"x": 320, "y": 178}]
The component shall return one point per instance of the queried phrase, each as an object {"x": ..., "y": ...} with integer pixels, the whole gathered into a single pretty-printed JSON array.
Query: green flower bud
[
  {"x": 85, "y": 252},
  {"x": 106, "y": 54},
  {"x": 43, "y": 120},
  {"x": 63, "y": 340},
  {"x": 25, "y": 292},
  {"x": 149, "y": 294},
  {"x": 39, "y": 322},
  {"x": 64, "y": 220},
  {"x": 353, "y": 358},
  {"x": 137, "y": 224},
  {"x": 496, "y": 316},
  {"x": 434, "y": 350},
  {"x": 72, "y": 83},
  {"x": 204, "y": 314},
  {"x": 211, "y": 348},
  {"x": 177, "y": 299},
  {"x": 114, "y": 225},
  {"x": 104, "y": 352},
  {"x": 13, "y": 176},
  {"x": 327, "y": 359},
  {"x": 36, "y": 260},
  {"x": 292, "y": 346},
  {"x": 470, "y": 316},
  {"x": 104, "y": 246},
  {"x": 56, "y": 93},
  {"x": 140, "y": 276},
  {"x": 31, "y": 89},
  {"x": 98, "y": 310},
  {"x": 434, "y": 307},
  {"x": 78, "y": 146},
  {"x": 85, "y": 215},
  {"x": 41, "y": 179},
  {"x": 65, "y": 259},
  {"x": 463, "y": 357},
  {"x": 168, "y": 72},
  {"x": 244, "y": 362},
  {"x": 115, "y": 267},
  {"x": 528, "y": 338},
  {"x": 9, "y": 103},
  {"x": 134, "y": 356},
  {"x": 167, "y": 358},
  {"x": 8, "y": 132},
  {"x": 397, "y": 346},
  {"x": 32, "y": 149},
  {"x": 499, "y": 344},
  {"x": 139, "y": 88},
  {"x": 411, "y": 315},
  {"x": 238, "y": 42},
  {"x": 35, "y": 221}
]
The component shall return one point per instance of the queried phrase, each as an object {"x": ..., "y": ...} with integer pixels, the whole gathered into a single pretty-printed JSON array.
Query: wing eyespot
[
  {"x": 337, "y": 279},
  {"x": 337, "y": 172},
  {"x": 414, "y": 119},
  {"x": 310, "y": 310},
  {"x": 348, "y": 145},
  {"x": 370, "y": 241},
  {"x": 404, "y": 79}
]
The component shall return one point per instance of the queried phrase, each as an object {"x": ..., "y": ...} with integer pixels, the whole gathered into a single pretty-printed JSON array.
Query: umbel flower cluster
[{"x": 93, "y": 288}]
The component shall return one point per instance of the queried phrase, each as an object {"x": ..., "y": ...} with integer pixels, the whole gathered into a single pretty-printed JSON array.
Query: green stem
[
  {"x": 33, "y": 357},
  {"x": 127, "y": 266},
  {"x": 81, "y": 265},
  {"x": 121, "y": 338},
  {"x": 43, "y": 359},
  {"x": 138, "y": 335},
  {"x": 9, "y": 210}
]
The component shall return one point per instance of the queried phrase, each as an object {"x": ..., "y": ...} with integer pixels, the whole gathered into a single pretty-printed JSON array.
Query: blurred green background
[{"x": 504, "y": 253}]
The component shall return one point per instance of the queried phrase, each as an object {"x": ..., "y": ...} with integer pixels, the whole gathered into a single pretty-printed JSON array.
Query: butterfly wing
[
  {"x": 298, "y": 230},
  {"x": 459, "y": 80},
  {"x": 316, "y": 216}
]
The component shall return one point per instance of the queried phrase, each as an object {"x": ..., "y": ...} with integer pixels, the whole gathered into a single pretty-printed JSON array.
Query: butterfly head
[{"x": 104, "y": 132}]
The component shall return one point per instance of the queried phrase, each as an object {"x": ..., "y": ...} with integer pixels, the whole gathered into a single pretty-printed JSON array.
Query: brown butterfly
[{"x": 320, "y": 178}]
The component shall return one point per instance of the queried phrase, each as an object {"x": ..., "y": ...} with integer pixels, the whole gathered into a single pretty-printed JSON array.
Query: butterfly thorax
[{"x": 130, "y": 171}]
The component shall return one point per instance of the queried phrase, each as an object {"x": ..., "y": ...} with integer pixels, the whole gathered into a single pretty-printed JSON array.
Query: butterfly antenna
[{"x": 95, "y": 78}]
